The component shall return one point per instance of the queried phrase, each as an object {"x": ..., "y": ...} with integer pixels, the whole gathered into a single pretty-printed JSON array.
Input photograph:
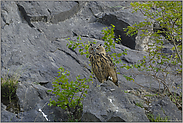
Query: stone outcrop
[
  {"x": 33, "y": 43},
  {"x": 108, "y": 103},
  {"x": 165, "y": 108}
]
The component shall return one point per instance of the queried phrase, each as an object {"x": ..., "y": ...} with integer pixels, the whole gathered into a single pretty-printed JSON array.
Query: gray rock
[
  {"x": 165, "y": 108},
  {"x": 28, "y": 94},
  {"x": 109, "y": 19},
  {"x": 33, "y": 100},
  {"x": 53, "y": 12},
  {"x": 34, "y": 42},
  {"x": 109, "y": 103},
  {"x": 7, "y": 116}
]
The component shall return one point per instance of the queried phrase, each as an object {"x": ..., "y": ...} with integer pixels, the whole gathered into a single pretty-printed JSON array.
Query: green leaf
[
  {"x": 70, "y": 46},
  {"x": 119, "y": 54}
]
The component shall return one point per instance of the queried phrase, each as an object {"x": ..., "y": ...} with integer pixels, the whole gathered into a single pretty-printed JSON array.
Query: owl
[{"x": 102, "y": 65}]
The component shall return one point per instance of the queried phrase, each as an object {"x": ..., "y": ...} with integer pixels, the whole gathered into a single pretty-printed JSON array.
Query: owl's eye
[{"x": 92, "y": 49}]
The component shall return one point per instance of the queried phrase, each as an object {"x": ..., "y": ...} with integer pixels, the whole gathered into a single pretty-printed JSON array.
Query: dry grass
[{"x": 9, "y": 86}]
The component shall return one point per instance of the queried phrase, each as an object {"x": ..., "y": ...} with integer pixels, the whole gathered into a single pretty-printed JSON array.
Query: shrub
[
  {"x": 159, "y": 64},
  {"x": 68, "y": 93}
]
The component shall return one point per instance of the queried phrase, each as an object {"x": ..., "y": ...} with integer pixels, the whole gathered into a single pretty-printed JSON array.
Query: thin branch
[
  {"x": 163, "y": 82},
  {"x": 176, "y": 50}
]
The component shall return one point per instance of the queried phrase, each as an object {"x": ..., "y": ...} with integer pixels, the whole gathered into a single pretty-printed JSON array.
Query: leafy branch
[{"x": 67, "y": 93}]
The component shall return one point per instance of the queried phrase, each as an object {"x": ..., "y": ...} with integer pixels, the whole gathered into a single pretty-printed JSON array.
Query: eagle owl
[{"x": 102, "y": 65}]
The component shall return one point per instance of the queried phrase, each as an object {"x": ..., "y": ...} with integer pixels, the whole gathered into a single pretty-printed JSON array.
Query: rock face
[
  {"x": 33, "y": 43},
  {"x": 7, "y": 116},
  {"x": 165, "y": 108},
  {"x": 32, "y": 98},
  {"x": 109, "y": 103}
]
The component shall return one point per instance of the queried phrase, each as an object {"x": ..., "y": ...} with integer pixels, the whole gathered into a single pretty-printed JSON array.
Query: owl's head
[
  {"x": 100, "y": 49},
  {"x": 92, "y": 49}
]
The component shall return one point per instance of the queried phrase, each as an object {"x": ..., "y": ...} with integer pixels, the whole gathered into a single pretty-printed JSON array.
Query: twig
[{"x": 177, "y": 50}]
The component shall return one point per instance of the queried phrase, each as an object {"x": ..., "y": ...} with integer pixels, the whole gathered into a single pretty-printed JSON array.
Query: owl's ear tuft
[
  {"x": 100, "y": 44},
  {"x": 91, "y": 44}
]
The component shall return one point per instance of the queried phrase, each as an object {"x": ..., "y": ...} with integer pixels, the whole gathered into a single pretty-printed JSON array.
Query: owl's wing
[
  {"x": 108, "y": 59},
  {"x": 112, "y": 69}
]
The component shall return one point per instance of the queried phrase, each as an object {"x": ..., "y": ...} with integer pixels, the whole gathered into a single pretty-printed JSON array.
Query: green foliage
[
  {"x": 168, "y": 15},
  {"x": 139, "y": 105},
  {"x": 158, "y": 118},
  {"x": 108, "y": 44},
  {"x": 174, "y": 98},
  {"x": 125, "y": 91},
  {"x": 82, "y": 47},
  {"x": 108, "y": 38},
  {"x": 128, "y": 78},
  {"x": 67, "y": 93},
  {"x": 9, "y": 86}
]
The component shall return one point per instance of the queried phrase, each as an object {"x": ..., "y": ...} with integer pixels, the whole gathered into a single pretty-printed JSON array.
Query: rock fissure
[
  {"x": 24, "y": 15},
  {"x": 77, "y": 60},
  {"x": 62, "y": 16}
]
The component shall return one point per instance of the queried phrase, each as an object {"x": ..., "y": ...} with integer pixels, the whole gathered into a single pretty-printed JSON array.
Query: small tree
[
  {"x": 167, "y": 23},
  {"x": 166, "y": 19},
  {"x": 68, "y": 93}
]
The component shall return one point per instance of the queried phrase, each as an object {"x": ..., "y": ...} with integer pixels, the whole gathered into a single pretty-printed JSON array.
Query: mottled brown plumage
[{"x": 102, "y": 65}]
